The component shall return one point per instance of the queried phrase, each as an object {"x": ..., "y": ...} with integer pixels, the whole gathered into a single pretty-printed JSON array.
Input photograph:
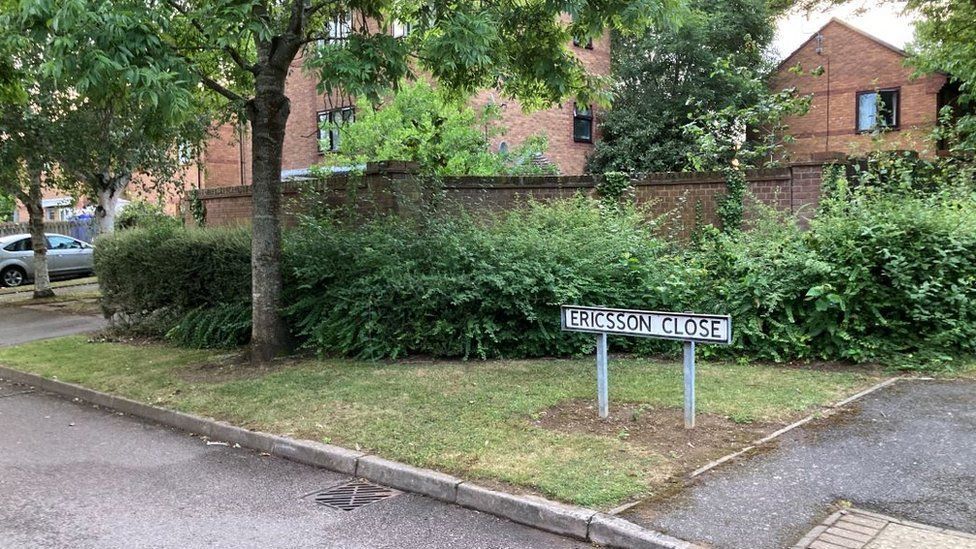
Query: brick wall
[
  {"x": 853, "y": 61},
  {"x": 686, "y": 198}
]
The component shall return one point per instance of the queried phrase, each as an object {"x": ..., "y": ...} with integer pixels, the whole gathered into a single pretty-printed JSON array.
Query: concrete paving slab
[{"x": 898, "y": 536}]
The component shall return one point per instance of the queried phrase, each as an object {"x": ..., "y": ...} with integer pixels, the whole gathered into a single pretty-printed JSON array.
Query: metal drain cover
[{"x": 353, "y": 495}]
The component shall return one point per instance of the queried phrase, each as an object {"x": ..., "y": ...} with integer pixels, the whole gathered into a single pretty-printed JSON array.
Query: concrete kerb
[{"x": 531, "y": 511}]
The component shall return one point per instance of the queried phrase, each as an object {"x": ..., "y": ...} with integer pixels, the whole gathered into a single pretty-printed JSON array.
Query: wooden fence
[{"x": 82, "y": 230}]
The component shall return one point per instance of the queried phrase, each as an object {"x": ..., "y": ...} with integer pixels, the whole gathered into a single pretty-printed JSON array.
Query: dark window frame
[
  {"x": 586, "y": 116},
  {"x": 896, "y": 112},
  {"x": 329, "y": 117},
  {"x": 578, "y": 43}
]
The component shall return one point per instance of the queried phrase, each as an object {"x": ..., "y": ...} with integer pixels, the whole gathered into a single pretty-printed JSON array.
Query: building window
[
  {"x": 329, "y": 124},
  {"x": 578, "y": 42},
  {"x": 401, "y": 29},
  {"x": 340, "y": 27},
  {"x": 877, "y": 110},
  {"x": 582, "y": 123}
]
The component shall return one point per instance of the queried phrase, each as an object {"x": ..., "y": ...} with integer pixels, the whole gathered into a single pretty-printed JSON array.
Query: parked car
[{"x": 66, "y": 257}]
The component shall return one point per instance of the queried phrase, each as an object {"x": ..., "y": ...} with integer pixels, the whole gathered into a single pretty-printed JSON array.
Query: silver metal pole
[
  {"x": 603, "y": 398},
  {"x": 689, "y": 384}
]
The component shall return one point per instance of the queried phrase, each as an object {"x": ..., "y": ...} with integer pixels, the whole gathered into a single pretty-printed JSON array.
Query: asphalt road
[
  {"x": 23, "y": 324},
  {"x": 75, "y": 476},
  {"x": 907, "y": 451}
]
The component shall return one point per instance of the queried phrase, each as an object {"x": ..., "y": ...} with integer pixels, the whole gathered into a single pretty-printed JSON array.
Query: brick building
[
  {"x": 227, "y": 158},
  {"x": 864, "y": 97}
]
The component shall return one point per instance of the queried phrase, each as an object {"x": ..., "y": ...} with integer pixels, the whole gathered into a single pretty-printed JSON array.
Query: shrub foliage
[{"x": 881, "y": 272}]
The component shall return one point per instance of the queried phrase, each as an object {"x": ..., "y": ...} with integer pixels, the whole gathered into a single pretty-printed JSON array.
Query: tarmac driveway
[{"x": 907, "y": 451}]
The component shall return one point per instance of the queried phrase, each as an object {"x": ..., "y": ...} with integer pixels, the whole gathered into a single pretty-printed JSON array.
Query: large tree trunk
[
  {"x": 268, "y": 114},
  {"x": 109, "y": 190},
  {"x": 35, "y": 214}
]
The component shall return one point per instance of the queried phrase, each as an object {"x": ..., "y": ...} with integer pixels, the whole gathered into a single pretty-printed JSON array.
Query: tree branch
[{"x": 233, "y": 53}]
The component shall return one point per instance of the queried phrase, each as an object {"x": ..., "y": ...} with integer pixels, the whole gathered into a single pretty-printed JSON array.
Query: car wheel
[{"x": 12, "y": 277}]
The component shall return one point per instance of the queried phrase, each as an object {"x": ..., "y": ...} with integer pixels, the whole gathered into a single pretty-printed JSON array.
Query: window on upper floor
[
  {"x": 877, "y": 110},
  {"x": 578, "y": 42},
  {"x": 400, "y": 29},
  {"x": 329, "y": 124},
  {"x": 339, "y": 27},
  {"x": 582, "y": 123}
]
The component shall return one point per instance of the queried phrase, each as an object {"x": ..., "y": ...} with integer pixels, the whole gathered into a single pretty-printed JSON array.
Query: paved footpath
[
  {"x": 906, "y": 451},
  {"x": 23, "y": 324},
  {"x": 75, "y": 476}
]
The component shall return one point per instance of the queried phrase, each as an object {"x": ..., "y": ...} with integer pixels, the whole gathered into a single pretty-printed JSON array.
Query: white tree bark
[{"x": 108, "y": 201}]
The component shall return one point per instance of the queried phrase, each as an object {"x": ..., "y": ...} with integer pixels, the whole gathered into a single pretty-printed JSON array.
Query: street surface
[
  {"x": 22, "y": 324},
  {"x": 75, "y": 476},
  {"x": 908, "y": 451}
]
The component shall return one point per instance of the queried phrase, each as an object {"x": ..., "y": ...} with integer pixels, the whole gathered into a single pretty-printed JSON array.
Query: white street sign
[
  {"x": 679, "y": 326},
  {"x": 687, "y": 327}
]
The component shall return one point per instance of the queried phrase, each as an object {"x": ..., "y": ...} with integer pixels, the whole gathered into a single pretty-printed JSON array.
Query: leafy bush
[
  {"x": 454, "y": 287},
  {"x": 222, "y": 325},
  {"x": 145, "y": 271},
  {"x": 144, "y": 214},
  {"x": 884, "y": 271},
  {"x": 876, "y": 276}
]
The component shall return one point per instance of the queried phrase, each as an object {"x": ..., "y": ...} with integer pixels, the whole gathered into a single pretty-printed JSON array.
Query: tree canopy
[
  {"x": 665, "y": 76},
  {"x": 946, "y": 42}
]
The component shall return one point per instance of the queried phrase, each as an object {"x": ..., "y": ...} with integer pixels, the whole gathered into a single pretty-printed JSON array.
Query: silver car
[{"x": 66, "y": 257}]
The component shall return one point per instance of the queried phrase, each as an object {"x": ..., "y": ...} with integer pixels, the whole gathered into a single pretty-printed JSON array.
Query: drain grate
[{"x": 353, "y": 495}]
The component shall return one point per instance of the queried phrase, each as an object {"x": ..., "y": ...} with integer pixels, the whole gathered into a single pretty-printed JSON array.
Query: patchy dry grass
[{"x": 479, "y": 420}]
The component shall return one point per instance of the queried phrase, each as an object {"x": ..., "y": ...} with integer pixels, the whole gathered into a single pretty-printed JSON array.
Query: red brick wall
[
  {"x": 853, "y": 62},
  {"x": 685, "y": 197}
]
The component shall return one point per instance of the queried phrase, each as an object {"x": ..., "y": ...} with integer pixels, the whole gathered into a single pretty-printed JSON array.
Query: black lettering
[
  {"x": 664, "y": 325},
  {"x": 644, "y": 323},
  {"x": 622, "y": 320},
  {"x": 574, "y": 317},
  {"x": 633, "y": 323},
  {"x": 598, "y": 319},
  {"x": 690, "y": 322},
  {"x": 703, "y": 327},
  {"x": 585, "y": 319},
  {"x": 716, "y": 324}
]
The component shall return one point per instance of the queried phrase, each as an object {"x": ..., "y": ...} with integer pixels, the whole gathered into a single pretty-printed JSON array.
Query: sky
[{"x": 884, "y": 20}]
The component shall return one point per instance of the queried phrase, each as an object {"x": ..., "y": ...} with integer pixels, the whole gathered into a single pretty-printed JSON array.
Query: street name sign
[
  {"x": 690, "y": 328},
  {"x": 678, "y": 326}
]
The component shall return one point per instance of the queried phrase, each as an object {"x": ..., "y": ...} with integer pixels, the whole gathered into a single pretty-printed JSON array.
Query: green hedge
[
  {"x": 160, "y": 273},
  {"x": 876, "y": 275}
]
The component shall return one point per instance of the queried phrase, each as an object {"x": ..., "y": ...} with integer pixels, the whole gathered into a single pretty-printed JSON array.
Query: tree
[
  {"x": 29, "y": 139},
  {"x": 443, "y": 136},
  {"x": 945, "y": 40},
  {"x": 736, "y": 138},
  {"x": 243, "y": 50},
  {"x": 130, "y": 138},
  {"x": 665, "y": 76}
]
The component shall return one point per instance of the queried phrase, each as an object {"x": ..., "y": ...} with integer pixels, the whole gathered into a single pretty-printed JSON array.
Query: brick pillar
[
  {"x": 805, "y": 181},
  {"x": 394, "y": 185}
]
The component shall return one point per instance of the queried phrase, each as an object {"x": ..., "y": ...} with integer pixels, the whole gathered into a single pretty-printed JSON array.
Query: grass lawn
[{"x": 526, "y": 424}]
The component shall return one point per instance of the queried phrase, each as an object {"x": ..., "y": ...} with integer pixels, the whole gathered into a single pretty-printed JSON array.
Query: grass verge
[{"x": 527, "y": 424}]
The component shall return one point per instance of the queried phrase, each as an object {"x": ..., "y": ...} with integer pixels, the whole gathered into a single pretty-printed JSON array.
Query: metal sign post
[
  {"x": 602, "y": 383},
  {"x": 686, "y": 327},
  {"x": 689, "y": 370}
]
